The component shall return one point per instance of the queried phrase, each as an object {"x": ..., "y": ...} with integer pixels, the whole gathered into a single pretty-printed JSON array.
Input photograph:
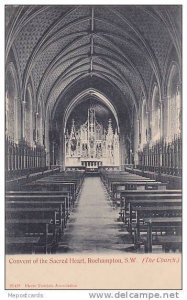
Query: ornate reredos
[{"x": 92, "y": 141}]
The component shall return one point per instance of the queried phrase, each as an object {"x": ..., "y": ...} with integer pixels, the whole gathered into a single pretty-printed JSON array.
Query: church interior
[{"x": 93, "y": 128}]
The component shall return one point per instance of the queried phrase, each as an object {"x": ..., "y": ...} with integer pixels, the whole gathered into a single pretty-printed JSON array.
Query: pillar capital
[
  {"x": 18, "y": 98},
  {"x": 179, "y": 88},
  {"x": 179, "y": 85},
  {"x": 164, "y": 98},
  {"x": 164, "y": 101}
]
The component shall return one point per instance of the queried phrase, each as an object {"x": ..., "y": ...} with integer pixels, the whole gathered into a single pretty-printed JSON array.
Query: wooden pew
[
  {"x": 65, "y": 194},
  {"x": 142, "y": 212},
  {"x": 64, "y": 181},
  {"x": 118, "y": 187},
  {"x": 129, "y": 181},
  {"x": 135, "y": 193},
  {"x": 130, "y": 184},
  {"x": 49, "y": 209},
  {"x": 149, "y": 205},
  {"x": 56, "y": 208},
  {"x": 43, "y": 201},
  {"x": 171, "y": 226},
  {"x": 52, "y": 186},
  {"x": 37, "y": 213},
  {"x": 147, "y": 194},
  {"x": 29, "y": 243},
  {"x": 148, "y": 200},
  {"x": 126, "y": 178},
  {"x": 42, "y": 229},
  {"x": 123, "y": 195},
  {"x": 163, "y": 207}
]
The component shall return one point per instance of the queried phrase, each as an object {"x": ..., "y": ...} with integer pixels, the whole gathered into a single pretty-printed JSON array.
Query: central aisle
[{"x": 93, "y": 225}]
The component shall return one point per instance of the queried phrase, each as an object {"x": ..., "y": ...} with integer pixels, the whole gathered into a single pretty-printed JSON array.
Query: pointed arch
[
  {"x": 28, "y": 116},
  {"x": 144, "y": 123},
  {"x": 12, "y": 104},
  {"x": 155, "y": 114},
  {"x": 173, "y": 106}
]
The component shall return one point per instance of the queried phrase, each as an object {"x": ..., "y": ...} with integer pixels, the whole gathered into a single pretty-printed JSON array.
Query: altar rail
[
  {"x": 162, "y": 157},
  {"x": 108, "y": 168},
  {"x": 21, "y": 157}
]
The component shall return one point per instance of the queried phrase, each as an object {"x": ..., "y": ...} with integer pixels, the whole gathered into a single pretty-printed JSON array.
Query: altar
[{"x": 91, "y": 144}]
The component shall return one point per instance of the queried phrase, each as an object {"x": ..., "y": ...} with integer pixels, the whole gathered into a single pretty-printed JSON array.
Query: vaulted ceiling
[{"x": 57, "y": 47}]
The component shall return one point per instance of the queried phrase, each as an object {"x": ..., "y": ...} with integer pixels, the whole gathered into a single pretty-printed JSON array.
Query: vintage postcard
[{"x": 93, "y": 147}]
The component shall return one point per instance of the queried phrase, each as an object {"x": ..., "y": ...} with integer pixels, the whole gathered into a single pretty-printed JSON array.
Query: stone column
[
  {"x": 46, "y": 141},
  {"x": 36, "y": 126},
  {"x": 136, "y": 140},
  {"x": 179, "y": 107},
  {"x": 161, "y": 118},
  {"x": 164, "y": 117},
  {"x": 6, "y": 112},
  {"x": 16, "y": 119},
  {"x": 62, "y": 150},
  {"x": 122, "y": 150},
  {"x": 23, "y": 119}
]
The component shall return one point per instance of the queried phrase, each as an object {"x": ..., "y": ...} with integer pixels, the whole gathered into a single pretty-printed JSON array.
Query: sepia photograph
[{"x": 93, "y": 144}]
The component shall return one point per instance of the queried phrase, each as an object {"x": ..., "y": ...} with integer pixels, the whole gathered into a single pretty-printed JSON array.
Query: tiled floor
[{"x": 93, "y": 225}]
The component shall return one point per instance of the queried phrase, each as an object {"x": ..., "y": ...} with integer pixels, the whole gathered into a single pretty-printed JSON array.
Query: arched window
[
  {"x": 13, "y": 106},
  {"x": 28, "y": 118},
  {"x": 144, "y": 122},
  {"x": 156, "y": 120},
  {"x": 174, "y": 104}
]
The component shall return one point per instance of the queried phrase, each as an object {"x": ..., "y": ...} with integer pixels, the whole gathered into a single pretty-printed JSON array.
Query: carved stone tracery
[{"x": 92, "y": 142}]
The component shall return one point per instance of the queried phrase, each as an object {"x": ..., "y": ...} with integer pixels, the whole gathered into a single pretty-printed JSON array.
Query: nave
[
  {"x": 111, "y": 211},
  {"x": 93, "y": 89},
  {"x": 93, "y": 225}
]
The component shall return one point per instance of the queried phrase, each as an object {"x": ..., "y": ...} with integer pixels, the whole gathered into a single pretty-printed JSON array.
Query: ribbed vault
[
  {"x": 57, "y": 46},
  {"x": 119, "y": 55}
]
